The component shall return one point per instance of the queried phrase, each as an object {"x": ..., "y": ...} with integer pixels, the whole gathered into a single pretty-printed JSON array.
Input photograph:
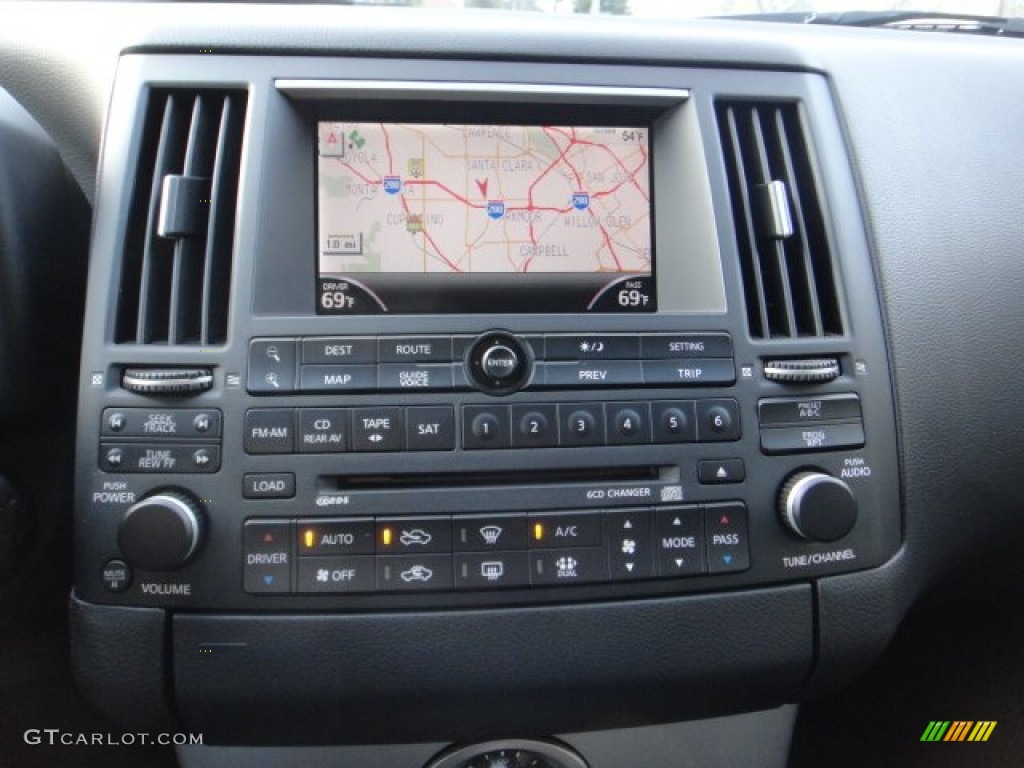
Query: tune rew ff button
[{"x": 499, "y": 363}]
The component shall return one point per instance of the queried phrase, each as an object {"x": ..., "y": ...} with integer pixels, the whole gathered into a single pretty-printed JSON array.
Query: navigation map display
[{"x": 432, "y": 218}]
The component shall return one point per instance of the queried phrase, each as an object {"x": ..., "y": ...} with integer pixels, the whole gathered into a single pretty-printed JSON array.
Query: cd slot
[{"x": 560, "y": 477}]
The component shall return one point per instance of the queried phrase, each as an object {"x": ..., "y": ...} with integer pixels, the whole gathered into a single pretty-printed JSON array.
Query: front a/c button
[{"x": 564, "y": 530}]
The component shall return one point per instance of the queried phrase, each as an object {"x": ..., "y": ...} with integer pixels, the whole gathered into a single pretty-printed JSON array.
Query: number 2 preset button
[{"x": 534, "y": 425}]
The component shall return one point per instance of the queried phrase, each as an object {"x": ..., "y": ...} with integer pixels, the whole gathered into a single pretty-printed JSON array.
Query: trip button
[
  {"x": 413, "y": 573},
  {"x": 271, "y": 366},
  {"x": 489, "y": 570},
  {"x": 324, "y": 430},
  {"x": 268, "y": 485},
  {"x": 430, "y": 428},
  {"x": 679, "y": 537},
  {"x": 336, "y": 574},
  {"x": 402, "y": 349},
  {"x": 693, "y": 372},
  {"x": 269, "y": 430},
  {"x": 413, "y": 535},
  {"x": 377, "y": 429},
  {"x": 565, "y": 530},
  {"x": 567, "y": 566},
  {"x": 348, "y": 536},
  {"x": 728, "y": 546}
]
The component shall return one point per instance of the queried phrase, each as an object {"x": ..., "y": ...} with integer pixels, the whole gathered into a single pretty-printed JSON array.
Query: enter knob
[
  {"x": 160, "y": 532},
  {"x": 817, "y": 506}
]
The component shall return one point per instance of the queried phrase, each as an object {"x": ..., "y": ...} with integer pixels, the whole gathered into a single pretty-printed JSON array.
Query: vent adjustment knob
[
  {"x": 167, "y": 381},
  {"x": 817, "y": 506},
  {"x": 805, "y": 371},
  {"x": 161, "y": 532}
]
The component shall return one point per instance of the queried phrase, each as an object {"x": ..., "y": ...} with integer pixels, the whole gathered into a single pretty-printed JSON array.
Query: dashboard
[{"x": 436, "y": 396}]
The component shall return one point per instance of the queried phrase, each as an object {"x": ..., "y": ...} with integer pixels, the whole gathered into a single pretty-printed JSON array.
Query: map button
[{"x": 338, "y": 378}]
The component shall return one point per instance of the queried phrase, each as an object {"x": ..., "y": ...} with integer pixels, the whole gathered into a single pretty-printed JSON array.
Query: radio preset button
[
  {"x": 581, "y": 424},
  {"x": 336, "y": 574},
  {"x": 324, "y": 430},
  {"x": 718, "y": 420},
  {"x": 271, "y": 366},
  {"x": 268, "y": 485},
  {"x": 628, "y": 423},
  {"x": 534, "y": 426},
  {"x": 485, "y": 427},
  {"x": 430, "y": 428},
  {"x": 675, "y": 421},
  {"x": 377, "y": 429},
  {"x": 404, "y": 349},
  {"x": 488, "y": 570},
  {"x": 339, "y": 350}
]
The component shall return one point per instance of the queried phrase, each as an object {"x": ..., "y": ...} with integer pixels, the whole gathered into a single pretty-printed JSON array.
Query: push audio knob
[
  {"x": 161, "y": 532},
  {"x": 817, "y": 506}
]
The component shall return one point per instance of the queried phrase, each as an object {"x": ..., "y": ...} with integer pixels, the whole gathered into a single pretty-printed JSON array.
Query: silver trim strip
[{"x": 520, "y": 93}]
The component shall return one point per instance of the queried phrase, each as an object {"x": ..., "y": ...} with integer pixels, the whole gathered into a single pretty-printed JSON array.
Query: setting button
[
  {"x": 728, "y": 547},
  {"x": 336, "y": 574},
  {"x": 430, "y": 428},
  {"x": 377, "y": 429},
  {"x": 487, "y": 570},
  {"x": 679, "y": 538},
  {"x": 568, "y": 566},
  {"x": 271, "y": 366},
  {"x": 414, "y": 572},
  {"x": 324, "y": 430},
  {"x": 565, "y": 530},
  {"x": 485, "y": 426},
  {"x": 348, "y": 536},
  {"x": 672, "y": 346},
  {"x": 534, "y": 426}
]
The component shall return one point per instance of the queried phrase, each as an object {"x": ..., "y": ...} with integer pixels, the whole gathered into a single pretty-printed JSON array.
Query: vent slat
[
  {"x": 177, "y": 251},
  {"x": 788, "y": 279}
]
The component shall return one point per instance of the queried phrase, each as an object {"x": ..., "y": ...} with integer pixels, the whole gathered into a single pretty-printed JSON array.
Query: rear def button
[{"x": 498, "y": 363}]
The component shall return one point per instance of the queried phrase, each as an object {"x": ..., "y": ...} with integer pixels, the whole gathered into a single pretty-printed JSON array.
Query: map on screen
[{"x": 483, "y": 199}]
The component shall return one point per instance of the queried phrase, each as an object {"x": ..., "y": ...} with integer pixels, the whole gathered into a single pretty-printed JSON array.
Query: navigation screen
[{"x": 430, "y": 218}]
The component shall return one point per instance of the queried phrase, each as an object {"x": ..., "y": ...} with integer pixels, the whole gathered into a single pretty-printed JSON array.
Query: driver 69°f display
[{"x": 430, "y": 218}]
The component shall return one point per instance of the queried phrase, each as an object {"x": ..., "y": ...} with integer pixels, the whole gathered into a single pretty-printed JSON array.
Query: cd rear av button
[{"x": 500, "y": 362}]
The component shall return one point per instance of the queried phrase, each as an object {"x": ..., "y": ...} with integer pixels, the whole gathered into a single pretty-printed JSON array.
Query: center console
[{"x": 565, "y": 363}]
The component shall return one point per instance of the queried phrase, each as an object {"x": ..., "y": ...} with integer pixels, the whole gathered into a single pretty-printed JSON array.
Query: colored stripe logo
[{"x": 958, "y": 730}]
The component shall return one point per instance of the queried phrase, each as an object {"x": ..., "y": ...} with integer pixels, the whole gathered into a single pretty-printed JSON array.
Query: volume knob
[
  {"x": 161, "y": 531},
  {"x": 817, "y": 506}
]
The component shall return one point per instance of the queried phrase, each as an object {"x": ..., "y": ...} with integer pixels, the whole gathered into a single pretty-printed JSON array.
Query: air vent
[
  {"x": 784, "y": 248},
  {"x": 176, "y": 265}
]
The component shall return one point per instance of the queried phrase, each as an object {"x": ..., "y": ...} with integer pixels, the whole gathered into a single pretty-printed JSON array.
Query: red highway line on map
[{"x": 454, "y": 267}]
